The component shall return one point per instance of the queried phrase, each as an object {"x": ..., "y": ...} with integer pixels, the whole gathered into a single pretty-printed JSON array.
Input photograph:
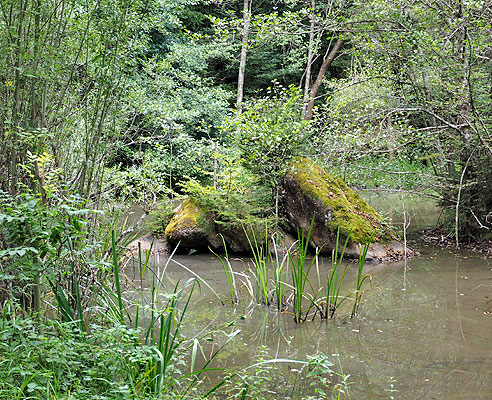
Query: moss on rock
[
  {"x": 187, "y": 227},
  {"x": 186, "y": 216},
  {"x": 342, "y": 207}
]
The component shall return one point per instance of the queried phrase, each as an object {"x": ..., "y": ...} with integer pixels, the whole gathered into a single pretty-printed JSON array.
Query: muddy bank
[{"x": 439, "y": 237}]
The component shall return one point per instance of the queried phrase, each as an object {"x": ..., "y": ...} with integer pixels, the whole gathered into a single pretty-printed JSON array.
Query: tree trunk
[
  {"x": 16, "y": 105},
  {"x": 322, "y": 71},
  {"x": 244, "y": 53},
  {"x": 307, "y": 82}
]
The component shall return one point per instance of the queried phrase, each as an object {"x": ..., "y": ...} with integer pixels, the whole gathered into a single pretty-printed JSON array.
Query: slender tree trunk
[
  {"x": 307, "y": 82},
  {"x": 34, "y": 102},
  {"x": 17, "y": 89},
  {"x": 322, "y": 71},
  {"x": 36, "y": 291},
  {"x": 465, "y": 106},
  {"x": 244, "y": 53},
  {"x": 215, "y": 165}
]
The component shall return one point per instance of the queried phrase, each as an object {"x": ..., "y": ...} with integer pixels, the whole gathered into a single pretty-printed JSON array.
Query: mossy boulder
[
  {"x": 236, "y": 239},
  {"x": 308, "y": 190},
  {"x": 190, "y": 228},
  {"x": 194, "y": 227}
]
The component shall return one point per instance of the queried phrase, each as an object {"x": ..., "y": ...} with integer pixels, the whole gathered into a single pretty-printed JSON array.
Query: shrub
[{"x": 160, "y": 218}]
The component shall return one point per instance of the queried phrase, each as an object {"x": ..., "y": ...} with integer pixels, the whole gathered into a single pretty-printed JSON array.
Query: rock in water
[
  {"x": 194, "y": 227},
  {"x": 188, "y": 227},
  {"x": 309, "y": 190}
]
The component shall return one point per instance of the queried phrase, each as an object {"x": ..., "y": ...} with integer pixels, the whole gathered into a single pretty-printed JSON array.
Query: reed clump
[{"x": 292, "y": 289}]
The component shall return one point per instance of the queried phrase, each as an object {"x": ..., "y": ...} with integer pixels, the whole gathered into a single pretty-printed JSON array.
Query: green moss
[
  {"x": 351, "y": 214},
  {"x": 187, "y": 217}
]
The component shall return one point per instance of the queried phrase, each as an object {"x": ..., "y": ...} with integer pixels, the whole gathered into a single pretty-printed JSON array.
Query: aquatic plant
[
  {"x": 320, "y": 375},
  {"x": 311, "y": 379},
  {"x": 228, "y": 271},
  {"x": 160, "y": 217},
  {"x": 300, "y": 268},
  {"x": 261, "y": 262},
  {"x": 161, "y": 331},
  {"x": 280, "y": 274},
  {"x": 334, "y": 280},
  {"x": 360, "y": 278},
  {"x": 324, "y": 300}
]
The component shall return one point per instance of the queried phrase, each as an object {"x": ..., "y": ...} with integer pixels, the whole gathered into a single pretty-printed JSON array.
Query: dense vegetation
[{"x": 108, "y": 103}]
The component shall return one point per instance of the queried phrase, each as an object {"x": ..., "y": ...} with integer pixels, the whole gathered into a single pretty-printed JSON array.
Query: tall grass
[
  {"x": 360, "y": 277},
  {"x": 160, "y": 331},
  {"x": 324, "y": 299},
  {"x": 270, "y": 272},
  {"x": 228, "y": 271},
  {"x": 280, "y": 274},
  {"x": 334, "y": 279},
  {"x": 116, "y": 271},
  {"x": 300, "y": 268},
  {"x": 261, "y": 263}
]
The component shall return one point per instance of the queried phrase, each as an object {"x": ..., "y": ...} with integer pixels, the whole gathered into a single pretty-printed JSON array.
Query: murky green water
[{"x": 424, "y": 330}]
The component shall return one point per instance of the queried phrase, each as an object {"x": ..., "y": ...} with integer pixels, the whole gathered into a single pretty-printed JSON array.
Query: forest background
[
  {"x": 124, "y": 101},
  {"x": 109, "y": 103}
]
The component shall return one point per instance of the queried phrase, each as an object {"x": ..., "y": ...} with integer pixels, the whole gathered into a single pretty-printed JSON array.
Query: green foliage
[
  {"x": 41, "y": 239},
  {"x": 271, "y": 133},
  {"x": 54, "y": 359},
  {"x": 270, "y": 270},
  {"x": 319, "y": 367},
  {"x": 160, "y": 218},
  {"x": 277, "y": 40},
  {"x": 305, "y": 297},
  {"x": 102, "y": 80},
  {"x": 397, "y": 171},
  {"x": 161, "y": 320},
  {"x": 228, "y": 271},
  {"x": 321, "y": 374},
  {"x": 262, "y": 261},
  {"x": 26, "y": 222},
  {"x": 236, "y": 201},
  {"x": 280, "y": 273},
  {"x": 264, "y": 379},
  {"x": 65, "y": 80},
  {"x": 360, "y": 278},
  {"x": 255, "y": 382},
  {"x": 435, "y": 77},
  {"x": 300, "y": 267},
  {"x": 159, "y": 170},
  {"x": 335, "y": 278}
]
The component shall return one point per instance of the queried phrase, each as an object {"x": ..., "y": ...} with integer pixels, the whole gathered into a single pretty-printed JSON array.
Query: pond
[{"x": 424, "y": 330}]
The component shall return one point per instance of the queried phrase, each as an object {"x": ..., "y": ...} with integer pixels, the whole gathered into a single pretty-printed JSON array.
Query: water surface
[{"x": 424, "y": 330}]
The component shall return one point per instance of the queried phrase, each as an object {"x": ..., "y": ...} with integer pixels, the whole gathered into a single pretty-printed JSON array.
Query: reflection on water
[
  {"x": 424, "y": 330},
  {"x": 420, "y": 212}
]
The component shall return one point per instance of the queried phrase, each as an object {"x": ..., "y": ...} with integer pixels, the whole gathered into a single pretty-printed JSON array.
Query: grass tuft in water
[
  {"x": 228, "y": 271},
  {"x": 160, "y": 332},
  {"x": 334, "y": 280},
  {"x": 300, "y": 268},
  {"x": 280, "y": 275},
  {"x": 261, "y": 262},
  {"x": 360, "y": 278}
]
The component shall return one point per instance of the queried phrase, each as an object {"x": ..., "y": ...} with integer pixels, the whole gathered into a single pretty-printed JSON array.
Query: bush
[
  {"x": 271, "y": 133},
  {"x": 41, "y": 361},
  {"x": 160, "y": 218},
  {"x": 41, "y": 241},
  {"x": 233, "y": 206}
]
